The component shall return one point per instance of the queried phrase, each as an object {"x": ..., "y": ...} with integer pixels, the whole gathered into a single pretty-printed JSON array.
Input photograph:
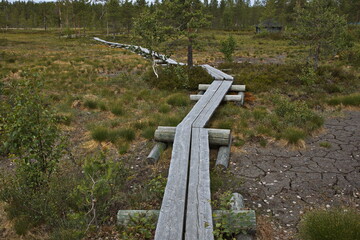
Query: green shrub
[
  {"x": 339, "y": 224},
  {"x": 293, "y": 135},
  {"x": 140, "y": 227},
  {"x": 350, "y": 100},
  {"x": 100, "y": 134},
  {"x": 178, "y": 77},
  {"x": 228, "y": 48},
  {"x": 91, "y": 104},
  {"x": 297, "y": 114},
  {"x": 178, "y": 100}
]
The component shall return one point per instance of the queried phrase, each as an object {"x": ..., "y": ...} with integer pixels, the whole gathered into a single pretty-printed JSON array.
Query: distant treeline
[{"x": 119, "y": 15}]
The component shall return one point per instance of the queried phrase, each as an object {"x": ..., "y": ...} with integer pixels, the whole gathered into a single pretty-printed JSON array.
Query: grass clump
[
  {"x": 91, "y": 104},
  {"x": 350, "y": 100},
  {"x": 100, "y": 134},
  {"x": 293, "y": 135},
  {"x": 325, "y": 144},
  {"x": 117, "y": 110},
  {"x": 339, "y": 224},
  {"x": 148, "y": 132},
  {"x": 178, "y": 100}
]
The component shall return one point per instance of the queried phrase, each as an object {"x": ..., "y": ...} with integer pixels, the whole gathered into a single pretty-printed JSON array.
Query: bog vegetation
[{"x": 78, "y": 118}]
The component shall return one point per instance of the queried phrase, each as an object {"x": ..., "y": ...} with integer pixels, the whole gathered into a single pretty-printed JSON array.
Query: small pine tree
[{"x": 228, "y": 48}]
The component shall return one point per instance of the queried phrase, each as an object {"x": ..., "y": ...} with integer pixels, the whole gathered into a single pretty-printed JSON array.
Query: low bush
[
  {"x": 178, "y": 77},
  {"x": 339, "y": 224}
]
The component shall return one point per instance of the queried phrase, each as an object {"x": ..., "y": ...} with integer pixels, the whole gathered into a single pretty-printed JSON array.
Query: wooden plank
[
  {"x": 217, "y": 137},
  {"x": 227, "y": 98},
  {"x": 211, "y": 106},
  {"x": 235, "y": 88},
  {"x": 201, "y": 104},
  {"x": 170, "y": 225},
  {"x": 199, "y": 214},
  {"x": 216, "y": 74}
]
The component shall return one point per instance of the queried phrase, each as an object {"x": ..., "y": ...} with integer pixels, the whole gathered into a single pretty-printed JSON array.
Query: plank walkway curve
[{"x": 186, "y": 207}]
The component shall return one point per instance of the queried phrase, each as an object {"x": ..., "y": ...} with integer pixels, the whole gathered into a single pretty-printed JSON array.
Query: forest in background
[{"x": 117, "y": 16}]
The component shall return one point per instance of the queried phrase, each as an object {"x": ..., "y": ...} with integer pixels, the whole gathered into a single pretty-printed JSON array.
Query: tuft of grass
[
  {"x": 325, "y": 144},
  {"x": 148, "y": 132},
  {"x": 164, "y": 108},
  {"x": 350, "y": 100},
  {"x": 117, "y": 110},
  {"x": 178, "y": 100},
  {"x": 339, "y": 224},
  {"x": 127, "y": 134},
  {"x": 91, "y": 104},
  {"x": 100, "y": 134},
  {"x": 293, "y": 135}
]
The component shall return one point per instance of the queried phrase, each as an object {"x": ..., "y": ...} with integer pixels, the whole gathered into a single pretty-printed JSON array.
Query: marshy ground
[{"x": 294, "y": 145}]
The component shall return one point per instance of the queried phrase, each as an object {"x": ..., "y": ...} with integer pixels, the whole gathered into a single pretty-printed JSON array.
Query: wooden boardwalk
[{"x": 186, "y": 207}]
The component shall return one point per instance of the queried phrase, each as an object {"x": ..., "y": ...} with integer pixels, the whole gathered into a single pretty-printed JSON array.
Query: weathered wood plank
[
  {"x": 170, "y": 225},
  {"x": 199, "y": 214},
  {"x": 212, "y": 104},
  {"x": 235, "y": 88},
  {"x": 217, "y": 137},
  {"x": 201, "y": 104},
  {"x": 227, "y": 98},
  {"x": 217, "y": 74}
]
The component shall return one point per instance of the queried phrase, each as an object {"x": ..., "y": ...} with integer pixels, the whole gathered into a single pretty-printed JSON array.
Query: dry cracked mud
[{"x": 284, "y": 183}]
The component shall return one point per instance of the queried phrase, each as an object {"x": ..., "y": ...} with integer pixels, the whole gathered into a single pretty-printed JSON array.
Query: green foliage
[
  {"x": 319, "y": 27},
  {"x": 140, "y": 227},
  {"x": 157, "y": 186},
  {"x": 30, "y": 132},
  {"x": 178, "y": 77},
  {"x": 340, "y": 224},
  {"x": 227, "y": 225},
  {"x": 308, "y": 76},
  {"x": 297, "y": 114},
  {"x": 350, "y": 100},
  {"x": 228, "y": 48}
]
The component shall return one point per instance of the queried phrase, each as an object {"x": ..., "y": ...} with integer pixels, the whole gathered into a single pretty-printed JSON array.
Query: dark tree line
[{"x": 119, "y": 16}]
